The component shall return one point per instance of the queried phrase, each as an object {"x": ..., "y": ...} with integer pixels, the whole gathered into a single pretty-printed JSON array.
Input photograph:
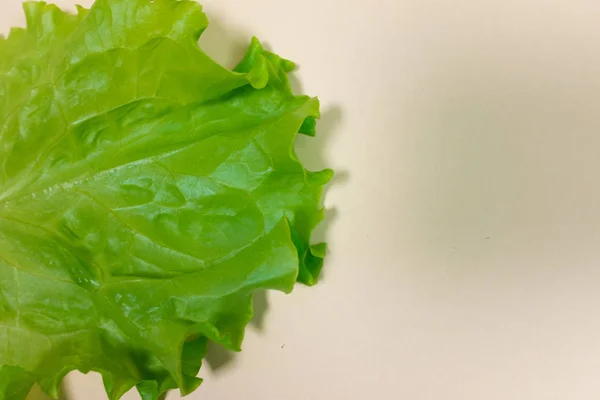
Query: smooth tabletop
[{"x": 464, "y": 222}]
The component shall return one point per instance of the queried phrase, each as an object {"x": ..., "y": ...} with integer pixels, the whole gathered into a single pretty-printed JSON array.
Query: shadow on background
[
  {"x": 37, "y": 394},
  {"x": 218, "y": 356},
  {"x": 225, "y": 45},
  {"x": 311, "y": 151},
  {"x": 261, "y": 306}
]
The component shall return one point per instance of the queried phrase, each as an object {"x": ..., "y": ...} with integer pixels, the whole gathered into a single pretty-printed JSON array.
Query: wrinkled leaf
[{"x": 145, "y": 192}]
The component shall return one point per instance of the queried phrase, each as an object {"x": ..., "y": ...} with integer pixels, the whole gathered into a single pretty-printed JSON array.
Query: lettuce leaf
[{"x": 145, "y": 193}]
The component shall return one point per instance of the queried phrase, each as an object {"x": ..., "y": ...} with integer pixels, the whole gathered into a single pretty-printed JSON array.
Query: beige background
[{"x": 465, "y": 220}]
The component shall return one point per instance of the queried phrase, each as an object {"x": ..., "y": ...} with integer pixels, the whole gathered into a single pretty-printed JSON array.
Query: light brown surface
[{"x": 465, "y": 259}]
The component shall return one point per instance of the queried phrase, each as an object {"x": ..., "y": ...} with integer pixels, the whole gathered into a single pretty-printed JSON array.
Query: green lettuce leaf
[{"x": 145, "y": 193}]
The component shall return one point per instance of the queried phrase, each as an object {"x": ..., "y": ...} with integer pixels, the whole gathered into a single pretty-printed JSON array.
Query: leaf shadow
[
  {"x": 312, "y": 152},
  {"x": 36, "y": 393},
  {"x": 217, "y": 356},
  {"x": 260, "y": 304},
  {"x": 223, "y": 44}
]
